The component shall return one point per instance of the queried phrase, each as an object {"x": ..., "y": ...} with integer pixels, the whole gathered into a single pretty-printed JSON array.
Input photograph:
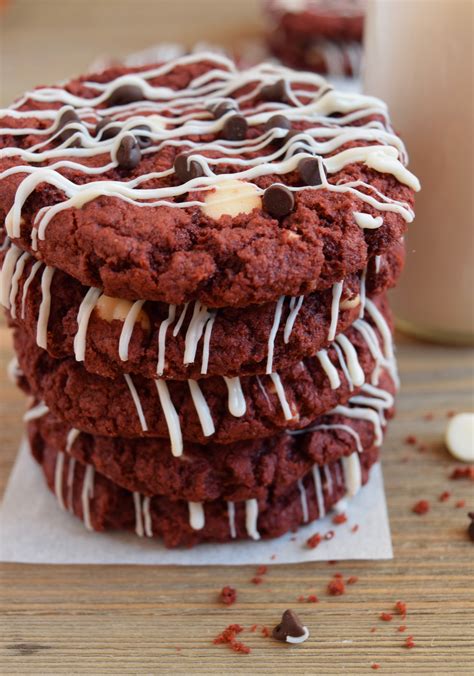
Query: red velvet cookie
[
  {"x": 103, "y": 505},
  {"x": 113, "y": 336},
  {"x": 218, "y": 410},
  {"x": 193, "y": 180},
  {"x": 238, "y": 471}
]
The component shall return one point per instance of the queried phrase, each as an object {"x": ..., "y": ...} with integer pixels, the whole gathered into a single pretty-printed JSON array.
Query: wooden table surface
[{"x": 147, "y": 620}]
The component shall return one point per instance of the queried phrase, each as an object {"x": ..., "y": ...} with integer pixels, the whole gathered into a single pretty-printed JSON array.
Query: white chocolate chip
[
  {"x": 232, "y": 198},
  {"x": 350, "y": 303},
  {"x": 460, "y": 437},
  {"x": 109, "y": 308}
]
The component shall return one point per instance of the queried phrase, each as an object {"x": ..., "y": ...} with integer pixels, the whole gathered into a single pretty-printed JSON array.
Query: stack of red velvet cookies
[
  {"x": 324, "y": 36},
  {"x": 194, "y": 263}
]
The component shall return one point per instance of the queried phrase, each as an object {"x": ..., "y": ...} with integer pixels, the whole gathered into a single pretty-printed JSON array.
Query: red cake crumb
[
  {"x": 228, "y": 637},
  {"x": 411, "y": 440},
  {"x": 313, "y": 541},
  {"x": 228, "y": 596},
  {"x": 445, "y": 495},
  {"x": 386, "y": 617},
  {"x": 422, "y": 448},
  {"x": 273, "y": 557},
  {"x": 373, "y": 630},
  {"x": 266, "y": 632},
  {"x": 375, "y": 666},
  {"x": 339, "y": 518},
  {"x": 421, "y": 507},
  {"x": 428, "y": 416},
  {"x": 329, "y": 535},
  {"x": 301, "y": 598},
  {"x": 355, "y": 528},
  {"x": 463, "y": 473},
  {"x": 402, "y": 627},
  {"x": 460, "y": 504},
  {"x": 401, "y": 608},
  {"x": 261, "y": 570},
  {"x": 450, "y": 414},
  {"x": 257, "y": 579},
  {"x": 336, "y": 587},
  {"x": 253, "y": 628},
  {"x": 312, "y": 598},
  {"x": 409, "y": 642},
  {"x": 340, "y": 575},
  {"x": 352, "y": 580}
]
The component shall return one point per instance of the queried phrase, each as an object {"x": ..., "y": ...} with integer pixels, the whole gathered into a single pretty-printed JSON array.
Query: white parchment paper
[{"x": 33, "y": 529}]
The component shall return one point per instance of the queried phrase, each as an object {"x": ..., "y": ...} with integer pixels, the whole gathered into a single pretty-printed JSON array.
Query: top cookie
[{"x": 194, "y": 180}]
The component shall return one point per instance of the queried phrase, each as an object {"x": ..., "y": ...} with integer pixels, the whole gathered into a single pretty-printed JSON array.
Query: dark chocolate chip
[
  {"x": 235, "y": 128},
  {"x": 290, "y": 625},
  {"x": 278, "y": 201},
  {"x": 143, "y": 140},
  {"x": 185, "y": 170},
  {"x": 308, "y": 169},
  {"x": 108, "y": 133},
  {"x": 470, "y": 529},
  {"x": 222, "y": 108},
  {"x": 277, "y": 122},
  {"x": 274, "y": 92},
  {"x": 68, "y": 116},
  {"x": 125, "y": 94},
  {"x": 128, "y": 153}
]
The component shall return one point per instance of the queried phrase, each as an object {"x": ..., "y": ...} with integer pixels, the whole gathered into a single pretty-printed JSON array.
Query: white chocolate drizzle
[
  {"x": 160, "y": 367},
  {"x": 127, "y": 328},
  {"x": 236, "y": 399},
  {"x": 352, "y": 473},
  {"x": 71, "y": 438},
  {"x": 273, "y": 332},
  {"x": 45, "y": 306},
  {"x": 343, "y": 365},
  {"x": 202, "y": 408},
  {"x": 336, "y": 298},
  {"x": 143, "y": 523},
  {"x": 8, "y": 268},
  {"x": 58, "y": 479},
  {"x": 36, "y": 412},
  {"x": 378, "y": 260},
  {"x": 87, "y": 495},
  {"x": 70, "y": 483},
  {"x": 251, "y": 517},
  {"x": 356, "y": 373},
  {"x": 171, "y": 417},
  {"x": 83, "y": 315},
  {"x": 196, "y": 515},
  {"x": 329, "y": 369},
  {"x": 328, "y": 480},
  {"x": 280, "y": 392},
  {"x": 363, "y": 292},
  {"x": 147, "y": 522},
  {"x": 304, "y": 501},
  {"x": 295, "y": 307},
  {"x": 136, "y": 401},
  {"x": 231, "y": 517},
  {"x": 26, "y": 286},
  {"x": 318, "y": 489},
  {"x": 19, "y": 268},
  {"x": 366, "y": 221}
]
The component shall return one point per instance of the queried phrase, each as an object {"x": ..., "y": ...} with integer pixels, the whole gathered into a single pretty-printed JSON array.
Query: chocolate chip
[
  {"x": 290, "y": 625},
  {"x": 67, "y": 117},
  {"x": 308, "y": 169},
  {"x": 125, "y": 94},
  {"x": 277, "y": 122},
  {"x": 108, "y": 133},
  {"x": 128, "y": 153},
  {"x": 470, "y": 529},
  {"x": 222, "y": 108},
  {"x": 278, "y": 200},
  {"x": 235, "y": 128},
  {"x": 186, "y": 170},
  {"x": 274, "y": 92},
  {"x": 143, "y": 140}
]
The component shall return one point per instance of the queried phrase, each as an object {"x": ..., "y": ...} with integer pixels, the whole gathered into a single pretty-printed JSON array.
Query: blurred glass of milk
[{"x": 419, "y": 59}]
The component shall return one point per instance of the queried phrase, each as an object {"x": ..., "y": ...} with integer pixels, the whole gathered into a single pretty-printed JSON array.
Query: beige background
[{"x": 117, "y": 619}]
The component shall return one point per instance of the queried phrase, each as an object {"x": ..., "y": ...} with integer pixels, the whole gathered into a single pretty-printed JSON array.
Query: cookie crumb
[
  {"x": 339, "y": 518},
  {"x": 266, "y": 632},
  {"x": 228, "y": 637},
  {"x": 336, "y": 587},
  {"x": 409, "y": 642},
  {"x": 386, "y": 617},
  {"x": 228, "y": 595},
  {"x": 460, "y": 504},
  {"x": 462, "y": 473},
  {"x": 355, "y": 528},
  {"x": 314, "y": 541},
  {"x": 445, "y": 495},
  {"x": 352, "y": 580},
  {"x": 375, "y": 666},
  {"x": 401, "y": 608},
  {"x": 373, "y": 630},
  {"x": 402, "y": 627},
  {"x": 411, "y": 440},
  {"x": 421, "y": 507}
]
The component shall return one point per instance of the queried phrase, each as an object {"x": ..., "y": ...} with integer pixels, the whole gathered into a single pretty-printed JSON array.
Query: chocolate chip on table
[
  {"x": 222, "y": 108},
  {"x": 125, "y": 94},
  {"x": 470, "y": 528},
  {"x": 274, "y": 92},
  {"x": 235, "y": 128},
  {"x": 308, "y": 169},
  {"x": 128, "y": 153},
  {"x": 277, "y": 122},
  {"x": 290, "y": 625},
  {"x": 278, "y": 201},
  {"x": 186, "y": 170},
  {"x": 108, "y": 133},
  {"x": 143, "y": 139}
]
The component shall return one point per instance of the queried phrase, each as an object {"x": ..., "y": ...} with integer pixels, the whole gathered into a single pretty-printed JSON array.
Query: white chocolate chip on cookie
[
  {"x": 460, "y": 437},
  {"x": 109, "y": 308},
  {"x": 231, "y": 198},
  {"x": 350, "y": 303}
]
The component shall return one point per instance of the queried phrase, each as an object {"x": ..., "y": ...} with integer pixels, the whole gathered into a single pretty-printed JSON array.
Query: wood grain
[{"x": 149, "y": 620}]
